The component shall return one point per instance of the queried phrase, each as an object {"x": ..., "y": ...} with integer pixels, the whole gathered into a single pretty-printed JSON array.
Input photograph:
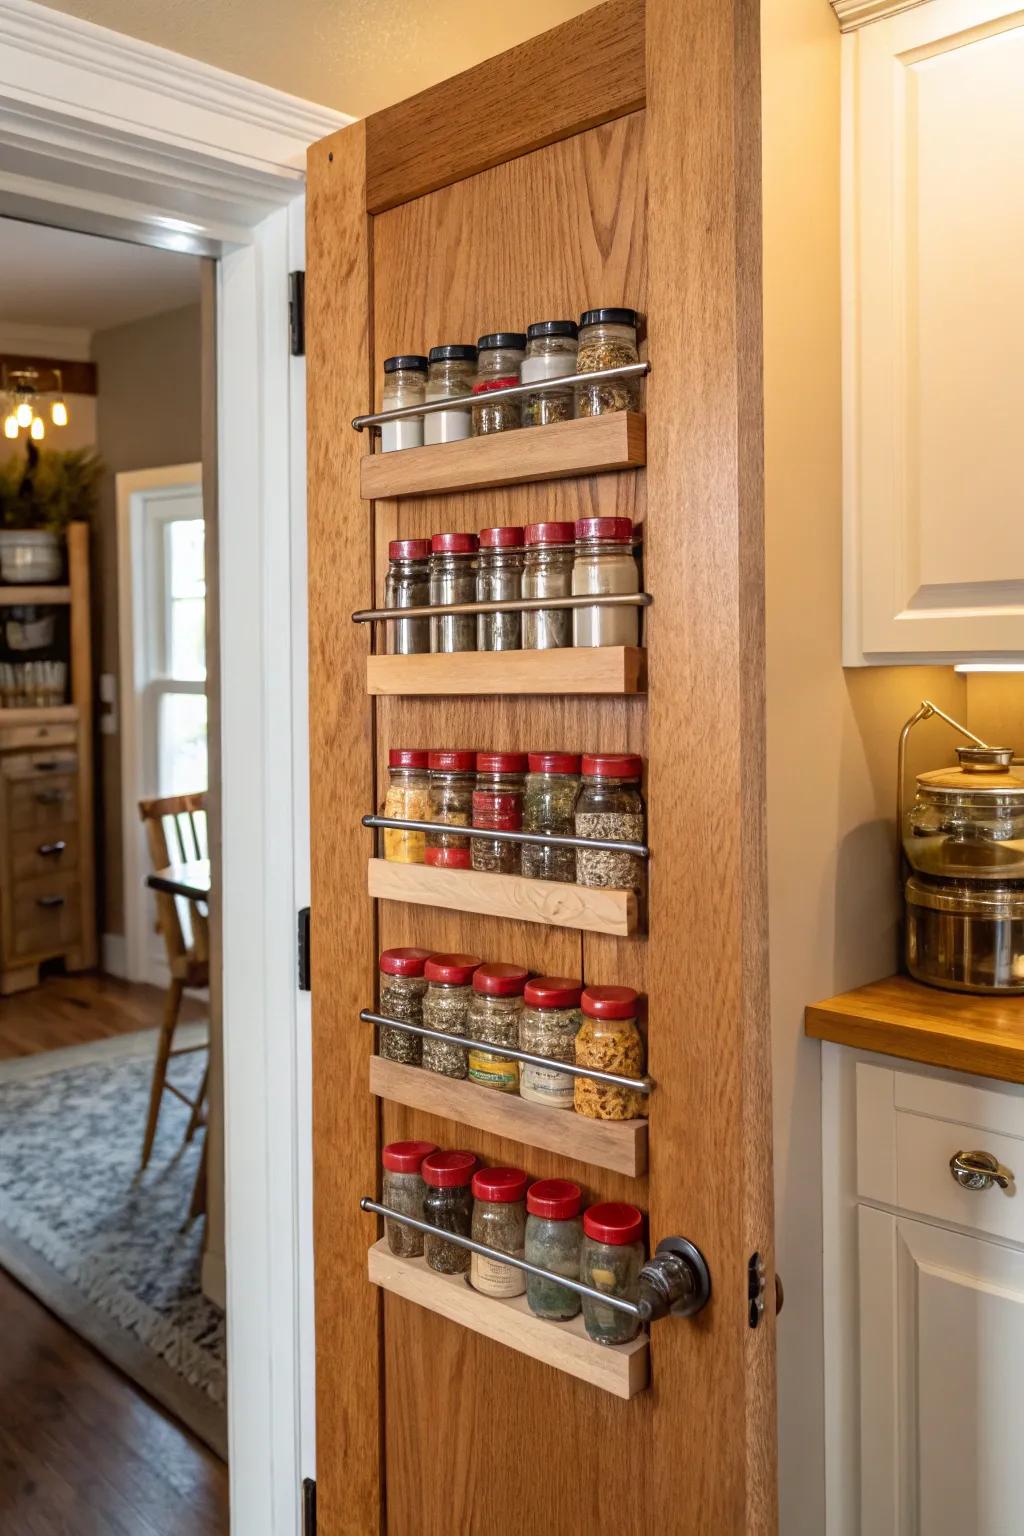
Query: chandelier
[{"x": 23, "y": 392}]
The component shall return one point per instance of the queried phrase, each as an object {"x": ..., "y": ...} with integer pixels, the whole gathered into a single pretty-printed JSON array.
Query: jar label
[
  {"x": 497, "y": 812},
  {"x": 448, "y": 858},
  {"x": 484, "y": 386},
  {"x": 494, "y": 1279},
  {"x": 544, "y": 1085},
  {"x": 494, "y": 1071}
]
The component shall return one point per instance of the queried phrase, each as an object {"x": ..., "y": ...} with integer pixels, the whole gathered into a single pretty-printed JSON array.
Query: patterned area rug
[{"x": 108, "y": 1249}]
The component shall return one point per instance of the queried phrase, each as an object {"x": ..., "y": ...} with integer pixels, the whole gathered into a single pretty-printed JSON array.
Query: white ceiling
[{"x": 52, "y": 277}]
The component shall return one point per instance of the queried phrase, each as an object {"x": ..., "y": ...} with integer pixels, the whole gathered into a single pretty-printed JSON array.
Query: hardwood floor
[{"x": 71, "y": 1010}]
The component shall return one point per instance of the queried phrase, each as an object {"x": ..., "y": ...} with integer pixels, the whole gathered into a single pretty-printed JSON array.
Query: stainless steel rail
[
  {"x": 509, "y": 392},
  {"x": 547, "y": 839},
  {"x": 511, "y": 605}
]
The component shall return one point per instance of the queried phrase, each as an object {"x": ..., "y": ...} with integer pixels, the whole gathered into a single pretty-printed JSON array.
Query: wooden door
[{"x": 612, "y": 161}]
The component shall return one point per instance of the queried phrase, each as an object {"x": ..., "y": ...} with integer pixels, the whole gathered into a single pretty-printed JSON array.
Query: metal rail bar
[
  {"x": 543, "y": 839},
  {"x": 509, "y": 392},
  {"x": 511, "y": 605}
]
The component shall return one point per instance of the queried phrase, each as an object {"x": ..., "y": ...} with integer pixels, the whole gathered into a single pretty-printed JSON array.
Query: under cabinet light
[{"x": 989, "y": 666}]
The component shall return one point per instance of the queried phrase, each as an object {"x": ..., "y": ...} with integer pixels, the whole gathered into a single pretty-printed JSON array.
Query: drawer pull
[
  {"x": 51, "y": 850},
  {"x": 49, "y": 767},
  {"x": 51, "y": 901},
  {"x": 979, "y": 1170},
  {"x": 51, "y": 796}
]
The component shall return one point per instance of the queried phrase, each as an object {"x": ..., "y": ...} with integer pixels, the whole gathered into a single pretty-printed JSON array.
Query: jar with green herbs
[
  {"x": 446, "y": 1008},
  {"x": 611, "y": 1258},
  {"x": 550, "y": 354},
  {"x": 405, "y": 381},
  {"x": 495, "y": 1008},
  {"x": 554, "y": 1233},
  {"x": 450, "y": 803},
  {"x": 610, "y": 807},
  {"x": 498, "y": 358},
  {"x": 549, "y": 802},
  {"x": 609, "y": 1041},
  {"x": 407, "y": 799},
  {"x": 548, "y": 1027},
  {"x": 402, "y": 1188},
  {"x": 498, "y": 807},
  {"x": 547, "y": 572},
  {"x": 407, "y": 585},
  {"x": 453, "y": 558},
  {"x": 499, "y": 1221},
  {"x": 605, "y": 566},
  {"x": 450, "y": 373},
  {"x": 499, "y": 579},
  {"x": 448, "y": 1206},
  {"x": 607, "y": 340},
  {"x": 403, "y": 987}
]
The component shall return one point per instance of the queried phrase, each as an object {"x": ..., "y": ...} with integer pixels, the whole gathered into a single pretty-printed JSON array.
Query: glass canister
[
  {"x": 450, "y": 373},
  {"x": 405, "y": 383},
  {"x": 609, "y": 1040},
  {"x": 452, "y": 780},
  {"x": 610, "y": 807},
  {"x": 499, "y": 1221},
  {"x": 446, "y": 1008},
  {"x": 611, "y": 1258},
  {"x": 547, "y": 572},
  {"x": 407, "y": 799},
  {"x": 607, "y": 340},
  {"x": 548, "y": 1027},
  {"x": 453, "y": 558},
  {"x": 605, "y": 565},
  {"x": 448, "y": 1206},
  {"x": 550, "y": 354},
  {"x": 499, "y": 578},
  {"x": 402, "y": 987},
  {"x": 402, "y": 1188},
  {"x": 495, "y": 1008},
  {"x": 554, "y": 1233},
  {"x": 407, "y": 585},
  {"x": 498, "y": 807},
  {"x": 498, "y": 358},
  {"x": 549, "y": 801}
]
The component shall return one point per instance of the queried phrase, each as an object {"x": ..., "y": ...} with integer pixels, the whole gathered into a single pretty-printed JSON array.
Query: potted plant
[{"x": 39, "y": 496}]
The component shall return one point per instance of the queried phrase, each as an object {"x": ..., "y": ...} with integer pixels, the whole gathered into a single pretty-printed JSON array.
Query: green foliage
[{"x": 49, "y": 488}]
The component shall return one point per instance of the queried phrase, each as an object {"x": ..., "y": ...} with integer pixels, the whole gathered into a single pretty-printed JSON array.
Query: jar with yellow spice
[
  {"x": 407, "y": 799},
  {"x": 609, "y": 1040}
]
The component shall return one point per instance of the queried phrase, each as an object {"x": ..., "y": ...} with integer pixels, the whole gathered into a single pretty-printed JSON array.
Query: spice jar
[
  {"x": 407, "y": 585},
  {"x": 403, "y": 987},
  {"x": 498, "y": 360},
  {"x": 610, "y": 807},
  {"x": 605, "y": 564},
  {"x": 407, "y": 799},
  {"x": 550, "y": 354},
  {"x": 547, "y": 572},
  {"x": 405, "y": 382},
  {"x": 554, "y": 1233},
  {"x": 499, "y": 578},
  {"x": 446, "y": 1007},
  {"x": 450, "y": 372},
  {"x": 499, "y": 1221},
  {"x": 548, "y": 1027},
  {"x": 453, "y": 580},
  {"x": 495, "y": 1008},
  {"x": 549, "y": 800},
  {"x": 611, "y": 1258},
  {"x": 609, "y": 1040},
  {"x": 448, "y": 1206},
  {"x": 402, "y": 1188},
  {"x": 452, "y": 777},
  {"x": 498, "y": 806},
  {"x": 607, "y": 340}
]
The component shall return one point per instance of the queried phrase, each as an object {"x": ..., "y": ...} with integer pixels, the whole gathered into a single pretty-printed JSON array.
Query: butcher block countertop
[{"x": 900, "y": 1017}]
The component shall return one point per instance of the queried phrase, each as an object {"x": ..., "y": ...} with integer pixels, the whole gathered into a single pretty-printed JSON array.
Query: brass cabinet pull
[{"x": 979, "y": 1170}]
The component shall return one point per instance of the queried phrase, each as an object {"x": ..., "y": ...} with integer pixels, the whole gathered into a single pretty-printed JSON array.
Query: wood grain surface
[
  {"x": 510, "y": 896},
  {"x": 17, "y": 596},
  {"x": 569, "y": 669}
]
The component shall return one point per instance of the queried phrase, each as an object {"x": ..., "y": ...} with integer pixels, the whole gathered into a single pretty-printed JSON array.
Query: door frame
[{"x": 108, "y": 135}]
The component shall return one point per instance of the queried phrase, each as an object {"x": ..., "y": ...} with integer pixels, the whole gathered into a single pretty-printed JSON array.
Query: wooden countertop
[{"x": 900, "y": 1017}]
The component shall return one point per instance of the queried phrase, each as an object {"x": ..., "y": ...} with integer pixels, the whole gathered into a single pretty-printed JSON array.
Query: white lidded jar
[
  {"x": 405, "y": 382},
  {"x": 605, "y": 565},
  {"x": 451, "y": 370}
]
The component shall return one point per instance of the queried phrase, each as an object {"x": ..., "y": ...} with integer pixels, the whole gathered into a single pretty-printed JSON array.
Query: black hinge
[
  {"x": 308, "y": 1506},
  {"x": 297, "y": 313},
  {"x": 302, "y": 945}
]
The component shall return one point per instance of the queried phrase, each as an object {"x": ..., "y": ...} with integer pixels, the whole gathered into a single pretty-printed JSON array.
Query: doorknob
[
  {"x": 675, "y": 1279},
  {"x": 979, "y": 1170}
]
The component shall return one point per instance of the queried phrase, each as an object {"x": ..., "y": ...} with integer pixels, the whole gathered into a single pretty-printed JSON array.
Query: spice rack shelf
[
  {"x": 23, "y": 596},
  {"x": 622, "y": 1369},
  {"x": 593, "y": 445},
  {"x": 612, "y": 669},
  {"x": 530, "y": 901},
  {"x": 620, "y": 1145}
]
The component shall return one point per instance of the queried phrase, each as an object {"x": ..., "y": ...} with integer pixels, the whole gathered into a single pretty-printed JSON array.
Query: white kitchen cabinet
[{"x": 933, "y": 333}]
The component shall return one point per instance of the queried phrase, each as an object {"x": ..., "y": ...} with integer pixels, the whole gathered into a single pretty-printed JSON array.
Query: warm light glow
[
  {"x": 11, "y": 425},
  {"x": 989, "y": 666},
  {"x": 24, "y": 413},
  {"x": 38, "y": 428},
  {"x": 59, "y": 413}
]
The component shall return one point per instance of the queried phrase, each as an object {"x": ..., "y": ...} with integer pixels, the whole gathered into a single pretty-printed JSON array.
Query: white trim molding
[{"x": 852, "y": 14}]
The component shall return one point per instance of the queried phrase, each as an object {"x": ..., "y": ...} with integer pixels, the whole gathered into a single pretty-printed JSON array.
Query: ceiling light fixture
[{"x": 23, "y": 390}]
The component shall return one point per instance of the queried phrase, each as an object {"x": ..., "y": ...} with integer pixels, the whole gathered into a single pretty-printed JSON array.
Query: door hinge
[
  {"x": 308, "y": 1506},
  {"x": 302, "y": 949},
  {"x": 297, "y": 313}
]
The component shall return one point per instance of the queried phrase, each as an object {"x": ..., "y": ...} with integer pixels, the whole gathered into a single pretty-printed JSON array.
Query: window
[{"x": 174, "y": 680}]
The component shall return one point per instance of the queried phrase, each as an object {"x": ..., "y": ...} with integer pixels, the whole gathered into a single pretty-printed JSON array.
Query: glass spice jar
[
  {"x": 607, "y": 340},
  {"x": 604, "y": 565},
  {"x": 550, "y": 354},
  {"x": 499, "y": 1221},
  {"x": 405, "y": 382},
  {"x": 402, "y": 1188},
  {"x": 610, "y": 806},
  {"x": 554, "y": 1232},
  {"x": 446, "y": 1008},
  {"x": 452, "y": 778},
  {"x": 498, "y": 358},
  {"x": 495, "y": 1008},
  {"x": 499, "y": 578},
  {"x": 450, "y": 373},
  {"x": 547, "y": 572},
  {"x": 453, "y": 580},
  {"x": 609, "y": 1040},
  {"x": 498, "y": 806},
  {"x": 407, "y": 585},
  {"x": 611, "y": 1258},
  {"x": 402, "y": 987},
  {"x": 548, "y": 1027},
  {"x": 407, "y": 799},
  {"x": 549, "y": 799},
  {"x": 448, "y": 1206}
]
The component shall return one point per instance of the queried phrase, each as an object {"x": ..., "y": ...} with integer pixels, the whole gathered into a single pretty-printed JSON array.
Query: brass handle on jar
[{"x": 979, "y": 1170}]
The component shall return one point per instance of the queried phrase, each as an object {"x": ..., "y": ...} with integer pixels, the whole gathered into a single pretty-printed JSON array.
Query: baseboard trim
[
  {"x": 114, "y": 952},
  {"x": 214, "y": 1280}
]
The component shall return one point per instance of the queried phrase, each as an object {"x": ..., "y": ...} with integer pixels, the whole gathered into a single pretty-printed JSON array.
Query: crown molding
[
  {"x": 852, "y": 14},
  {"x": 48, "y": 341}
]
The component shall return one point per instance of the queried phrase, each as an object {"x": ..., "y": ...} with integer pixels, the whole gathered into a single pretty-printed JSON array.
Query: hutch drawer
[
  {"x": 45, "y": 916},
  {"x": 35, "y": 853},
  {"x": 35, "y": 804}
]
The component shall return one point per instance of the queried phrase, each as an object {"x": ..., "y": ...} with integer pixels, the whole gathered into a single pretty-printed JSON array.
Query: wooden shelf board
[
  {"x": 617, "y": 1144},
  {"x": 530, "y": 901},
  {"x": 622, "y": 1369},
  {"x": 19, "y": 597},
  {"x": 52, "y": 714},
  {"x": 591, "y": 446},
  {"x": 615, "y": 669},
  {"x": 900, "y": 1017}
]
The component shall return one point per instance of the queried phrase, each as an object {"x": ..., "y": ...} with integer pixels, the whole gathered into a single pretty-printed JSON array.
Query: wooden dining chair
[{"x": 176, "y": 833}]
